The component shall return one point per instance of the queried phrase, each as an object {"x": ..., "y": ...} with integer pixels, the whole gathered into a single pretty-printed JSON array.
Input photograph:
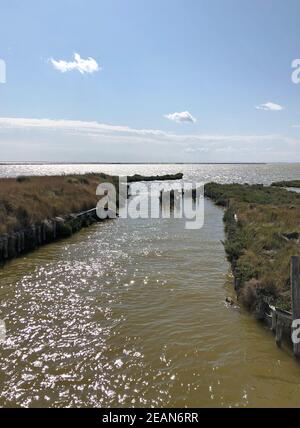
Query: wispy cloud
[
  {"x": 96, "y": 129},
  {"x": 183, "y": 117},
  {"x": 85, "y": 140},
  {"x": 84, "y": 66},
  {"x": 269, "y": 106}
]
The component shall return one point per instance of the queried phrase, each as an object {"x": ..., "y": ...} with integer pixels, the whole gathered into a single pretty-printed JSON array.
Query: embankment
[
  {"x": 262, "y": 239},
  {"x": 38, "y": 210},
  {"x": 35, "y": 211},
  {"x": 262, "y": 233},
  {"x": 167, "y": 177},
  {"x": 29, "y": 238},
  {"x": 291, "y": 183}
]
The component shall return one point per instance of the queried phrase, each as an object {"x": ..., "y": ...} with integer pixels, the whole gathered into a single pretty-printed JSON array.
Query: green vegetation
[
  {"x": 29, "y": 200},
  {"x": 292, "y": 183},
  {"x": 166, "y": 177},
  {"x": 262, "y": 233}
]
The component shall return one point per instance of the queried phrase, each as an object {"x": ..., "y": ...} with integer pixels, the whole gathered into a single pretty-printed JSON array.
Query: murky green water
[{"x": 133, "y": 313}]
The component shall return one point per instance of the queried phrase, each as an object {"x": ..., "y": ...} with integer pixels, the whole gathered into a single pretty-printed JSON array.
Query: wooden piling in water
[
  {"x": 279, "y": 333},
  {"x": 295, "y": 285},
  {"x": 35, "y": 235}
]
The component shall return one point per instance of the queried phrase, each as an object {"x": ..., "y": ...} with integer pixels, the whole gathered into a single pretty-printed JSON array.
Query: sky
[{"x": 150, "y": 81}]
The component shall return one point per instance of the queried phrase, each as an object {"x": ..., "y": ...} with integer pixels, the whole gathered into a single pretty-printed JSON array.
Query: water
[
  {"x": 133, "y": 313},
  {"x": 262, "y": 173}
]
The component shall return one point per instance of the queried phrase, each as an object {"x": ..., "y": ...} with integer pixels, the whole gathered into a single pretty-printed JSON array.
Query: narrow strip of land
[{"x": 263, "y": 231}]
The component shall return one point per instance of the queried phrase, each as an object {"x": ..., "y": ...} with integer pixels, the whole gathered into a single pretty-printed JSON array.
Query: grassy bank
[
  {"x": 29, "y": 200},
  {"x": 291, "y": 183},
  {"x": 35, "y": 211},
  {"x": 262, "y": 233}
]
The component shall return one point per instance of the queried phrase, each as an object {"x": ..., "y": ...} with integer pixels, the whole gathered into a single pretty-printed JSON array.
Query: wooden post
[
  {"x": 295, "y": 284},
  {"x": 274, "y": 321},
  {"x": 279, "y": 333}
]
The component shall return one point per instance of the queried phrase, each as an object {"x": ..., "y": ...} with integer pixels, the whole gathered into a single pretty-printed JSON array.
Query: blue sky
[{"x": 213, "y": 62}]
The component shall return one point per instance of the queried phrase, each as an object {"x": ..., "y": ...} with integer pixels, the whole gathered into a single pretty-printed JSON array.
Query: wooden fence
[{"x": 284, "y": 323}]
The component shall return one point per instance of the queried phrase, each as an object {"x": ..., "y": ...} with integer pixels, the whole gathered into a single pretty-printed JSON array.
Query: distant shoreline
[{"x": 138, "y": 163}]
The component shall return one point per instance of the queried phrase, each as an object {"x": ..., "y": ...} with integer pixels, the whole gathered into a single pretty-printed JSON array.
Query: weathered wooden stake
[
  {"x": 274, "y": 321},
  {"x": 295, "y": 284},
  {"x": 279, "y": 333}
]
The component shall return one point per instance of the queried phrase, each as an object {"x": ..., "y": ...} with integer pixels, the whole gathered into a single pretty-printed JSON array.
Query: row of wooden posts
[
  {"x": 282, "y": 321},
  {"x": 295, "y": 284}
]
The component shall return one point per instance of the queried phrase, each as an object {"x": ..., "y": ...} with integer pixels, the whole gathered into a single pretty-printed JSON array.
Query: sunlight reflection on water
[{"x": 132, "y": 313}]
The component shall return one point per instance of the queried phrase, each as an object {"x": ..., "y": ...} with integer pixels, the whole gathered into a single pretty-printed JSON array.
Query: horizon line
[{"x": 133, "y": 163}]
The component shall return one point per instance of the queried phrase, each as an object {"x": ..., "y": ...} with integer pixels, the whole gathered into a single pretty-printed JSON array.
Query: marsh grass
[
  {"x": 29, "y": 200},
  {"x": 258, "y": 222}
]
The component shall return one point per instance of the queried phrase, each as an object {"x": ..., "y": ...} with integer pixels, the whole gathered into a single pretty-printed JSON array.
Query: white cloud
[
  {"x": 125, "y": 133},
  {"x": 269, "y": 106},
  {"x": 183, "y": 117},
  {"x": 88, "y": 65}
]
